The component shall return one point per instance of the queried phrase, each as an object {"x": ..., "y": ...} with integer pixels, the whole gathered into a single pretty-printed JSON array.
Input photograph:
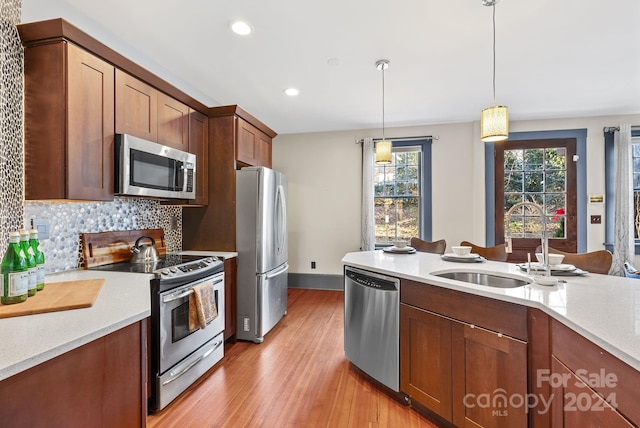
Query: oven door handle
[
  {"x": 175, "y": 376},
  {"x": 172, "y": 297}
]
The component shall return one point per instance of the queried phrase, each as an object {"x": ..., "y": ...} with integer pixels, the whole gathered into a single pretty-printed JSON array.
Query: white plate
[
  {"x": 466, "y": 256},
  {"x": 395, "y": 249},
  {"x": 562, "y": 267},
  {"x": 405, "y": 250}
]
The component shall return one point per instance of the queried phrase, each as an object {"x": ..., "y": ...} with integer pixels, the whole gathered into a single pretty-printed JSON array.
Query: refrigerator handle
[
  {"x": 283, "y": 269},
  {"x": 282, "y": 206}
]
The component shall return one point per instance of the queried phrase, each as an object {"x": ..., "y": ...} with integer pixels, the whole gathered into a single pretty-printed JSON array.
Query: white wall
[{"x": 324, "y": 172}]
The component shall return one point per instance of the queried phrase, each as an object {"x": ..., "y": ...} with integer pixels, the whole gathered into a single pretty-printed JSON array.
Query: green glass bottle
[
  {"x": 32, "y": 269},
  {"x": 39, "y": 255},
  {"x": 15, "y": 276}
]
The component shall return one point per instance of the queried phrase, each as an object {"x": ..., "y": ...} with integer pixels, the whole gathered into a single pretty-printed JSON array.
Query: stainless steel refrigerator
[{"x": 261, "y": 243}]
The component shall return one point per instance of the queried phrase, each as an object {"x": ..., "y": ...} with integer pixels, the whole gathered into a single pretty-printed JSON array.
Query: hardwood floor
[{"x": 298, "y": 377}]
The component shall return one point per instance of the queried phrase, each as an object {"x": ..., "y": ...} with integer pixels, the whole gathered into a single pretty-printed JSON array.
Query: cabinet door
[
  {"x": 576, "y": 405},
  {"x": 253, "y": 147},
  {"x": 199, "y": 145},
  {"x": 173, "y": 123},
  {"x": 90, "y": 128},
  {"x": 489, "y": 378},
  {"x": 136, "y": 107},
  {"x": 230, "y": 297},
  {"x": 425, "y": 359}
]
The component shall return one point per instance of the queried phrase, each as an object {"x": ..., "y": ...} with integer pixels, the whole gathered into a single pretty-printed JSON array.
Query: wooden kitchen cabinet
[
  {"x": 253, "y": 147},
  {"x": 425, "y": 359},
  {"x": 611, "y": 396},
  {"x": 230, "y": 297},
  {"x": 100, "y": 384},
  {"x": 69, "y": 123},
  {"x": 450, "y": 365},
  {"x": 173, "y": 123},
  {"x": 214, "y": 226},
  {"x": 199, "y": 146},
  {"x": 136, "y": 107}
]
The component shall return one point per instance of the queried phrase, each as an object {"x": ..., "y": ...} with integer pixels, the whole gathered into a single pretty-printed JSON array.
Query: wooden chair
[
  {"x": 497, "y": 253},
  {"x": 436, "y": 247},
  {"x": 596, "y": 261}
]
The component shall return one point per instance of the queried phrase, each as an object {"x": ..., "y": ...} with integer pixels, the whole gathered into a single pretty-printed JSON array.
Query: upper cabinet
[
  {"x": 253, "y": 147},
  {"x": 136, "y": 107},
  {"x": 199, "y": 145},
  {"x": 173, "y": 123},
  {"x": 69, "y": 123},
  {"x": 78, "y": 94}
]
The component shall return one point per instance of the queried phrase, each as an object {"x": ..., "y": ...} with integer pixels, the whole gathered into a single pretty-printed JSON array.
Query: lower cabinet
[
  {"x": 467, "y": 375},
  {"x": 230, "y": 297},
  {"x": 575, "y": 404},
  {"x": 100, "y": 384}
]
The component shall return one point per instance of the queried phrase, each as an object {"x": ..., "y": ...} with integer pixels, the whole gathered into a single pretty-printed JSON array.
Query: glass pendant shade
[
  {"x": 494, "y": 124},
  {"x": 383, "y": 152}
]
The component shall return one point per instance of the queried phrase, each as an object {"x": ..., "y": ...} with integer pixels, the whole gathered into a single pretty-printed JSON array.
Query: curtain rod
[
  {"x": 433, "y": 137},
  {"x": 617, "y": 128}
]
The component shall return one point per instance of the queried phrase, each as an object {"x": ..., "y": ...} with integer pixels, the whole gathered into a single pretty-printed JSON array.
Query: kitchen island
[
  {"x": 587, "y": 326},
  {"x": 80, "y": 367}
]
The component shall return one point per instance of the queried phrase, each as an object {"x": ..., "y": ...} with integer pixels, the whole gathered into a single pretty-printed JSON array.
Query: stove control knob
[
  {"x": 164, "y": 272},
  {"x": 173, "y": 270}
]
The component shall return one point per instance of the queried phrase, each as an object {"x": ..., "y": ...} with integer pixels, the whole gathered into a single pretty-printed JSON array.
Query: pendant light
[
  {"x": 494, "y": 121},
  {"x": 383, "y": 147}
]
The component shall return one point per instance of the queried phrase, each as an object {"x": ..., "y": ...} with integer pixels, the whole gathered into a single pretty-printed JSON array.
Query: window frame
[
  {"x": 426, "y": 214},
  {"x": 609, "y": 180}
]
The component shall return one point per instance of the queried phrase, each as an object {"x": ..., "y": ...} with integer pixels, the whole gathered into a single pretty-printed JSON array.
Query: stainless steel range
[{"x": 179, "y": 355}]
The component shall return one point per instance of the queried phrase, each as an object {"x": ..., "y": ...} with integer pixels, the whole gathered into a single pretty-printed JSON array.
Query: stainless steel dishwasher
[{"x": 372, "y": 324}]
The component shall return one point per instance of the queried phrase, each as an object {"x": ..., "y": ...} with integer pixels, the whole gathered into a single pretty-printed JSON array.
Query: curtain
[
  {"x": 623, "y": 240},
  {"x": 368, "y": 221}
]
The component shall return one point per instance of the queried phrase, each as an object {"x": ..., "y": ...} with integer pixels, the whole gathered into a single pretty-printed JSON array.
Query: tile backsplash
[{"x": 69, "y": 219}]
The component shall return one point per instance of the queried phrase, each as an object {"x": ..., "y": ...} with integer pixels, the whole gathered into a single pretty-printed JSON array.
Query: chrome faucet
[{"x": 544, "y": 238}]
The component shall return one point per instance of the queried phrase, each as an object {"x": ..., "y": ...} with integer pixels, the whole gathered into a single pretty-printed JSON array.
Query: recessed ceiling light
[
  {"x": 241, "y": 28},
  {"x": 292, "y": 92}
]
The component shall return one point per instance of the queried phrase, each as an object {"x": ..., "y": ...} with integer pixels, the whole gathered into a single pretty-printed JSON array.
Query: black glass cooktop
[{"x": 164, "y": 262}]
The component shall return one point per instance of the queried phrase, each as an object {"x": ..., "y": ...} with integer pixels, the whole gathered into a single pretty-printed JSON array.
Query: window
[
  {"x": 609, "y": 184},
  {"x": 402, "y": 193}
]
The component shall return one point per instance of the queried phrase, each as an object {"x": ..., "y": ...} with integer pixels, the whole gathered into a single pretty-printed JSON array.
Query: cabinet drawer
[{"x": 503, "y": 317}]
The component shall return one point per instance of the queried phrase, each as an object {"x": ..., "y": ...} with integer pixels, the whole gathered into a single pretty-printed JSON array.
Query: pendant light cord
[
  {"x": 383, "y": 102},
  {"x": 494, "y": 54}
]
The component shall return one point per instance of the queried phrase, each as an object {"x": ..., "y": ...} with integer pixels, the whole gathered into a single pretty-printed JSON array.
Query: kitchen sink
[{"x": 490, "y": 279}]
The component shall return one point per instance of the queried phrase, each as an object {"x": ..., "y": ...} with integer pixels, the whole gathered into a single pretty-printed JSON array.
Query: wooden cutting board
[{"x": 57, "y": 296}]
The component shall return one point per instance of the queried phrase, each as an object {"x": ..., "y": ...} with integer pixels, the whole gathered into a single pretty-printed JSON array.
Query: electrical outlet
[
  {"x": 43, "y": 226},
  {"x": 313, "y": 265},
  {"x": 596, "y": 219}
]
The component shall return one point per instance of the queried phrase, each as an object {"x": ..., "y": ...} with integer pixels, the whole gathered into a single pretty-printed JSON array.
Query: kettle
[{"x": 144, "y": 253}]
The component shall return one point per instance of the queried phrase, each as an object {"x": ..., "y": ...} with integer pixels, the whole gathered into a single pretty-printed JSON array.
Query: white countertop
[
  {"x": 604, "y": 309},
  {"x": 32, "y": 339},
  {"x": 223, "y": 254}
]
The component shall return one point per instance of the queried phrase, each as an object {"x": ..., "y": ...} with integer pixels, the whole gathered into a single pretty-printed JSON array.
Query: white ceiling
[{"x": 555, "y": 58}]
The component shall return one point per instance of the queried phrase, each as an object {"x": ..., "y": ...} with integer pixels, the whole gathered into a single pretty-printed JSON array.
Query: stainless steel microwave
[{"x": 144, "y": 168}]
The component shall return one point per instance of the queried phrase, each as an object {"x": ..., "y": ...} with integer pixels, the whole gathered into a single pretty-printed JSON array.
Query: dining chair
[
  {"x": 497, "y": 253},
  {"x": 436, "y": 247},
  {"x": 598, "y": 261}
]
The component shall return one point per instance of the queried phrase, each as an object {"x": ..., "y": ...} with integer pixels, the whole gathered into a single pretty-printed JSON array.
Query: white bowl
[
  {"x": 400, "y": 244},
  {"x": 461, "y": 250},
  {"x": 554, "y": 259}
]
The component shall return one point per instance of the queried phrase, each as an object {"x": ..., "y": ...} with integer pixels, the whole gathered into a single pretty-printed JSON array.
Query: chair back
[
  {"x": 497, "y": 253},
  {"x": 598, "y": 261},
  {"x": 436, "y": 247}
]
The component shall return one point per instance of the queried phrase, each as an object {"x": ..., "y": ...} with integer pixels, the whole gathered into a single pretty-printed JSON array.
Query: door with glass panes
[{"x": 542, "y": 172}]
